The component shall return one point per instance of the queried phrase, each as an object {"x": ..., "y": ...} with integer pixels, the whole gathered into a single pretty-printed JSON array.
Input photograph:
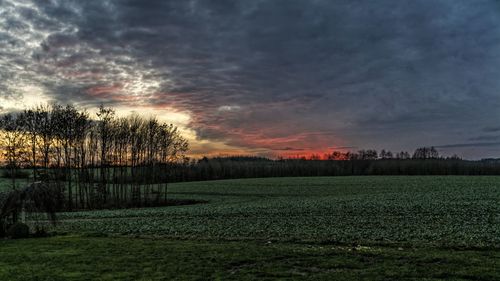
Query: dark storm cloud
[
  {"x": 491, "y": 129},
  {"x": 476, "y": 144},
  {"x": 271, "y": 74},
  {"x": 485, "y": 138}
]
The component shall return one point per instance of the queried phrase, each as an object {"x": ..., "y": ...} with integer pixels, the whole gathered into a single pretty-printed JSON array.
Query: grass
[
  {"x": 432, "y": 211},
  {"x": 120, "y": 258},
  {"x": 6, "y": 183},
  {"x": 344, "y": 228}
]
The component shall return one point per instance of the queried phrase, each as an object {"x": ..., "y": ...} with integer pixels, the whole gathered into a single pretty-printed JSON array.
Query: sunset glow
[{"x": 264, "y": 78}]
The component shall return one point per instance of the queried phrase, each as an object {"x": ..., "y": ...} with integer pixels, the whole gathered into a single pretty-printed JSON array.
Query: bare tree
[
  {"x": 120, "y": 154},
  {"x": 426, "y": 153},
  {"x": 14, "y": 143}
]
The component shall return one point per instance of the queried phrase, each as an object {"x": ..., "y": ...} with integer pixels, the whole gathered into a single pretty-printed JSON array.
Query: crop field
[
  {"x": 308, "y": 222},
  {"x": 445, "y": 211}
]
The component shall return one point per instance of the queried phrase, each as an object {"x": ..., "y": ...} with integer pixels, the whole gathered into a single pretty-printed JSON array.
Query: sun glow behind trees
[{"x": 96, "y": 162}]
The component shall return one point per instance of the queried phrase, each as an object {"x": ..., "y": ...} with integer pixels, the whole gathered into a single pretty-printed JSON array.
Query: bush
[
  {"x": 18, "y": 230},
  {"x": 40, "y": 232},
  {"x": 2, "y": 228}
]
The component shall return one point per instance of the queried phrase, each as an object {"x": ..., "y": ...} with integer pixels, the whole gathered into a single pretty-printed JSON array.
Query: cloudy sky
[{"x": 268, "y": 77}]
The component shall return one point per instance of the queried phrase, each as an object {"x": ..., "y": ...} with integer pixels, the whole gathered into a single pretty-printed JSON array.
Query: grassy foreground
[
  {"x": 342, "y": 228},
  {"x": 87, "y": 258}
]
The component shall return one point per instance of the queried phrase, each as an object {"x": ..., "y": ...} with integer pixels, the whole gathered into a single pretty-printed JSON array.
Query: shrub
[
  {"x": 18, "y": 230},
  {"x": 40, "y": 232},
  {"x": 2, "y": 228}
]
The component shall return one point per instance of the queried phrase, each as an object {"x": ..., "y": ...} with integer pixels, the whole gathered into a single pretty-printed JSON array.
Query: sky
[{"x": 268, "y": 77}]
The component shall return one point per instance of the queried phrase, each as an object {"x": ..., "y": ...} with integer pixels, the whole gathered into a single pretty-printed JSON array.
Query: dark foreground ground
[
  {"x": 94, "y": 258},
  {"x": 344, "y": 228}
]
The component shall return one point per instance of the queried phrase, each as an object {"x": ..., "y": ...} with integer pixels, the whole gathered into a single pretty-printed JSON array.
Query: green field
[
  {"x": 319, "y": 228},
  {"x": 6, "y": 184}
]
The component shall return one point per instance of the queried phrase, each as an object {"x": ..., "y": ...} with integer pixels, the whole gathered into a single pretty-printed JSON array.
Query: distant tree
[
  {"x": 369, "y": 154},
  {"x": 31, "y": 120},
  {"x": 337, "y": 155},
  {"x": 403, "y": 155},
  {"x": 386, "y": 154},
  {"x": 426, "y": 153},
  {"x": 14, "y": 143},
  {"x": 67, "y": 130},
  {"x": 104, "y": 132},
  {"x": 315, "y": 157},
  {"x": 454, "y": 157},
  {"x": 46, "y": 134},
  {"x": 352, "y": 155}
]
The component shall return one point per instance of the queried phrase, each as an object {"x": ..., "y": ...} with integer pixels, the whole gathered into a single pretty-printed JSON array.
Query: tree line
[
  {"x": 372, "y": 154},
  {"x": 95, "y": 162},
  {"x": 428, "y": 163}
]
